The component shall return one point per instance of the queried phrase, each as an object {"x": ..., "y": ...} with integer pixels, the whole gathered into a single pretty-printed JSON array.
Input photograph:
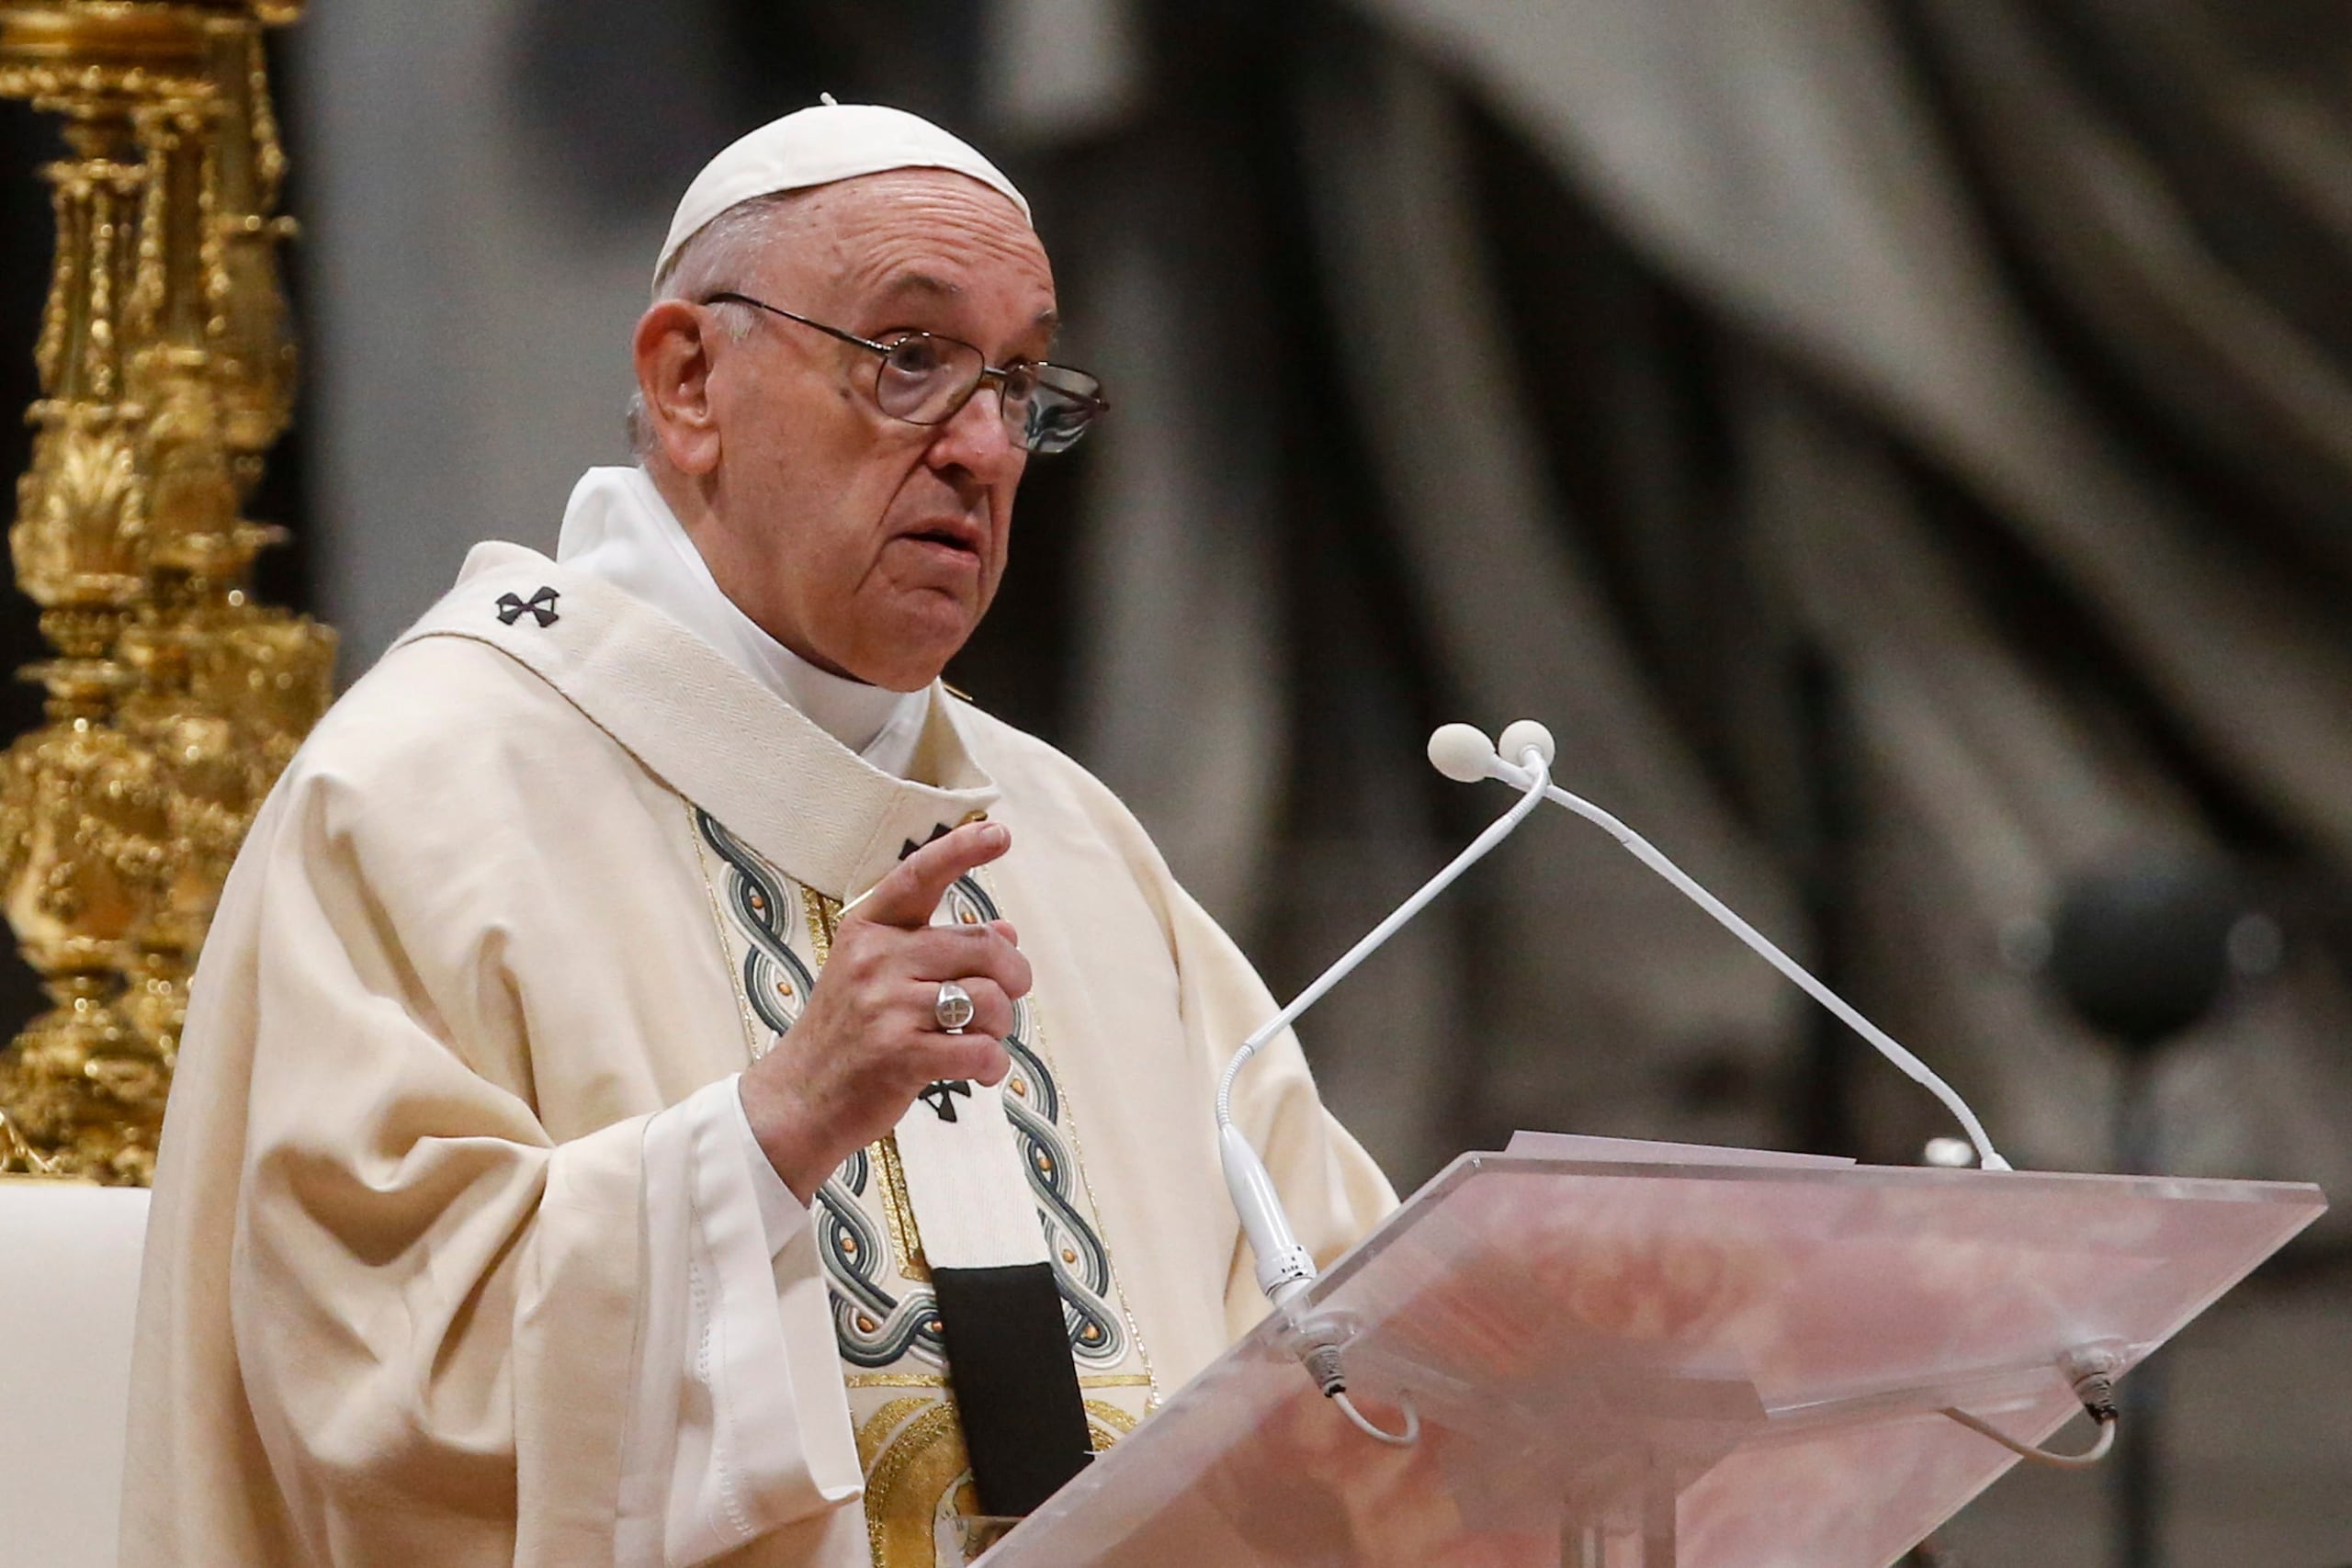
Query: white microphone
[
  {"x": 1468, "y": 758},
  {"x": 1464, "y": 754},
  {"x": 1284, "y": 1266},
  {"x": 1524, "y": 735}
]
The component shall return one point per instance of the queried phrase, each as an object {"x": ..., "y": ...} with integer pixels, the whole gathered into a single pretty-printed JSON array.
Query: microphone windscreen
[
  {"x": 1462, "y": 753},
  {"x": 1520, "y": 735}
]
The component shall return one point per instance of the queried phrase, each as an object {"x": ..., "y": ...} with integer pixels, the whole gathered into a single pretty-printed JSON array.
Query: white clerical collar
[{"x": 619, "y": 529}]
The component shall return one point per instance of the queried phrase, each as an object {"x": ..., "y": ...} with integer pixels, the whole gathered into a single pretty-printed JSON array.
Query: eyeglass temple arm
[{"x": 731, "y": 298}]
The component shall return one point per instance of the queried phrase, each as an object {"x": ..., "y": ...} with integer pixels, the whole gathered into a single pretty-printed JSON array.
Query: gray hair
[{"x": 719, "y": 257}]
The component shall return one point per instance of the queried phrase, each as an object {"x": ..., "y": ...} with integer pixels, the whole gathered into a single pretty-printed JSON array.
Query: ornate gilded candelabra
[{"x": 167, "y": 371}]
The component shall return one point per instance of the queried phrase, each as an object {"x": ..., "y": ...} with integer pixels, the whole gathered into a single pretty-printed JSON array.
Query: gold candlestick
[{"x": 167, "y": 372}]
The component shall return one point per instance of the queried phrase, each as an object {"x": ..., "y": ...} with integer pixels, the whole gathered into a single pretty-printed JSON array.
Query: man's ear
[{"x": 673, "y": 352}]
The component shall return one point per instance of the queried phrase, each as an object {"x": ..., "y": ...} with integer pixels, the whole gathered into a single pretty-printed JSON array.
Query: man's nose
[{"x": 978, "y": 440}]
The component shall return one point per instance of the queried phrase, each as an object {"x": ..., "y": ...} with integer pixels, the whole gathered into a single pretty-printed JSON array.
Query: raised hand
[{"x": 870, "y": 1040}]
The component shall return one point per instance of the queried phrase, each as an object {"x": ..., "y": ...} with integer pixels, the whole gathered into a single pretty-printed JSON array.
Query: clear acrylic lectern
[{"x": 1643, "y": 1366}]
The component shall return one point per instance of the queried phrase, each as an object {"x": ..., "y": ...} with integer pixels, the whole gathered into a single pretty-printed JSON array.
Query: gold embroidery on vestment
[
  {"x": 934, "y": 1380},
  {"x": 899, "y": 1209},
  {"x": 914, "y": 1470},
  {"x": 824, "y": 917},
  {"x": 876, "y": 1430},
  {"x": 1107, "y": 1423},
  {"x": 918, "y": 1471}
]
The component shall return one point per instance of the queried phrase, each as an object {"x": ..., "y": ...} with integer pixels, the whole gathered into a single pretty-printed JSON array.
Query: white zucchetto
[{"x": 816, "y": 146}]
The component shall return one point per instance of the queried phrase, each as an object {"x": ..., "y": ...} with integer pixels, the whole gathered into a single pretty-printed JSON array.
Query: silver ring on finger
[{"x": 952, "y": 1009}]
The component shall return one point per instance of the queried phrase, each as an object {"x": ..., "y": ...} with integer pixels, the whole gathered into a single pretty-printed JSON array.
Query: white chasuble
[{"x": 460, "y": 1252}]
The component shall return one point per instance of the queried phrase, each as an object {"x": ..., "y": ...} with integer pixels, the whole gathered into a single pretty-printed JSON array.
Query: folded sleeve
[
  {"x": 782, "y": 1215},
  {"x": 740, "y": 1423}
]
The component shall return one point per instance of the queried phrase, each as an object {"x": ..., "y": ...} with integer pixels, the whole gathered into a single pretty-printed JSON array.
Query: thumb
[{"x": 908, "y": 896}]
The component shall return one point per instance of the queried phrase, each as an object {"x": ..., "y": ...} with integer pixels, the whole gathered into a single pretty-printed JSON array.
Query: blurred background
[{"x": 1902, "y": 448}]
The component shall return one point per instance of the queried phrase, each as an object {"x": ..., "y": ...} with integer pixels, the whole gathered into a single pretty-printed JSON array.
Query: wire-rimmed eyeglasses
[{"x": 925, "y": 378}]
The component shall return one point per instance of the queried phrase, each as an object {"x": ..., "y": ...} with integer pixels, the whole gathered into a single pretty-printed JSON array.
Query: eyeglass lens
[{"x": 924, "y": 380}]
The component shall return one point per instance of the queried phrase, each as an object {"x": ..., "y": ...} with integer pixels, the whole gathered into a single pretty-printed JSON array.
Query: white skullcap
[{"x": 815, "y": 147}]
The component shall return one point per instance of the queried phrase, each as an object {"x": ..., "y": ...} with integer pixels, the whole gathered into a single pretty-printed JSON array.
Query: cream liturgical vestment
[{"x": 460, "y": 1253}]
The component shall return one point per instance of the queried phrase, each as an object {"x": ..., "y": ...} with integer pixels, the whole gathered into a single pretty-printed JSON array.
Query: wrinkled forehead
[{"x": 924, "y": 234}]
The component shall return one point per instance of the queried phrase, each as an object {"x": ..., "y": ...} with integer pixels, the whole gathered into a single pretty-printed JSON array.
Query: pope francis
[{"x": 669, "y": 1082}]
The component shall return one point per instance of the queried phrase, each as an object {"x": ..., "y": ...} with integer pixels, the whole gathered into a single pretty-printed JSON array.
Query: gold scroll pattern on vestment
[
  {"x": 920, "y": 1505},
  {"x": 917, "y": 1477},
  {"x": 167, "y": 372}
]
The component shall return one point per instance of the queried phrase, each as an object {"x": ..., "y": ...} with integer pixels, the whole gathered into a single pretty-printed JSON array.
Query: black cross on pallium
[
  {"x": 936, "y": 834},
  {"x": 940, "y": 1097},
  {"x": 540, "y": 605}
]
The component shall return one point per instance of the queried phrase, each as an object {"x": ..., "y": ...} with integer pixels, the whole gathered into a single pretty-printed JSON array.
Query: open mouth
[{"x": 964, "y": 541}]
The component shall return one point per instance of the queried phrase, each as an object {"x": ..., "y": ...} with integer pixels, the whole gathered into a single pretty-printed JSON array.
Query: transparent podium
[{"x": 1639, "y": 1365}]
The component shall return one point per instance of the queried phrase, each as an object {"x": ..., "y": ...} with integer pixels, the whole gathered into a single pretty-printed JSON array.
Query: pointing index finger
[{"x": 907, "y": 896}]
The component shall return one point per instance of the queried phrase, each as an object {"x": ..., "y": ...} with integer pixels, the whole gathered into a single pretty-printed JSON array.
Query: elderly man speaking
[{"x": 668, "y": 1081}]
